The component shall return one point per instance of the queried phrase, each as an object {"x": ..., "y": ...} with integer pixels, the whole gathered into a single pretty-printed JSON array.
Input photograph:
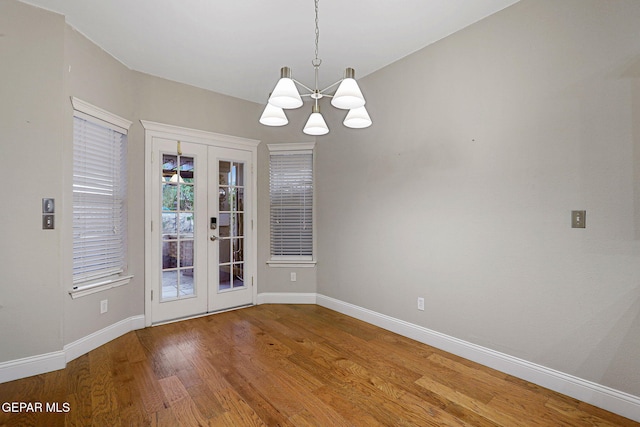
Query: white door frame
[{"x": 160, "y": 130}]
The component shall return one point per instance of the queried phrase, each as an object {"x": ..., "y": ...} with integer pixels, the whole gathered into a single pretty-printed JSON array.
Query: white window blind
[
  {"x": 99, "y": 199},
  {"x": 291, "y": 196}
]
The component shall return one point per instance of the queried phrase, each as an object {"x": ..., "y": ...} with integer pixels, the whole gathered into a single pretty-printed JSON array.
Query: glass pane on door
[
  {"x": 231, "y": 224},
  {"x": 178, "y": 250}
]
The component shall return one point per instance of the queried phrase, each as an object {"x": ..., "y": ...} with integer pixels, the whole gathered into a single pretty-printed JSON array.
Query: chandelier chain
[{"x": 317, "y": 61}]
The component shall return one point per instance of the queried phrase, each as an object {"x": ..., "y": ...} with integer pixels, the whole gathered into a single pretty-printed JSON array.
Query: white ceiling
[{"x": 237, "y": 47}]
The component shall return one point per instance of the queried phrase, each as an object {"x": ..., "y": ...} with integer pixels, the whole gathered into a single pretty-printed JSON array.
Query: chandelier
[{"x": 286, "y": 96}]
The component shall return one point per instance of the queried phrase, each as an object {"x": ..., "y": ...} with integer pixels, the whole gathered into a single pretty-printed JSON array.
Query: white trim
[
  {"x": 90, "y": 342},
  {"x": 197, "y": 316},
  {"x": 84, "y": 290},
  {"x": 592, "y": 393},
  {"x": 43, "y": 363},
  {"x": 199, "y": 136},
  {"x": 286, "y": 298},
  {"x": 103, "y": 115},
  {"x": 29, "y": 366},
  {"x": 291, "y": 264},
  {"x": 292, "y": 146},
  {"x": 148, "y": 225}
]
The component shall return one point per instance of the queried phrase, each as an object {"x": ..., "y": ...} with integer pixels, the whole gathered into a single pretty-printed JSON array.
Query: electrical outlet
[
  {"x": 421, "y": 304},
  {"x": 104, "y": 306},
  {"x": 294, "y": 276}
]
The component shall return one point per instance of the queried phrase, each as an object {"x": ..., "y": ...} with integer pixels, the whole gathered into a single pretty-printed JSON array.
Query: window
[
  {"x": 291, "y": 198},
  {"x": 99, "y": 198}
]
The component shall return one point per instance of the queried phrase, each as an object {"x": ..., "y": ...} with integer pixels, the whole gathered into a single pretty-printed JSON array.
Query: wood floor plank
[
  {"x": 350, "y": 411},
  {"x": 358, "y": 349},
  {"x": 474, "y": 405},
  {"x": 173, "y": 389},
  {"x": 165, "y": 417},
  {"x": 204, "y": 399},
  {"x": 414, "y": 409},
  {"x": 186, "y": 413},
  {"x": 148, "y": 387},
  {"x": 286, "y": 365},
  {"x": 80, "y": 416},
  {"x": 348, "y": 386},
  {"x": 79, "y": 376},
  {"x": 578, "y": 416},
  {"x": 237, "y": 409},
  {"x": 260, "y": 403},
  {"x": 473, "y": 382},
  {"x": 104, "y": 403}
]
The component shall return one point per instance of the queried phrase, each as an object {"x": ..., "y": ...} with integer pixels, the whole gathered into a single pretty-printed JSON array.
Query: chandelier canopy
[{"x": 285, "y": 96}]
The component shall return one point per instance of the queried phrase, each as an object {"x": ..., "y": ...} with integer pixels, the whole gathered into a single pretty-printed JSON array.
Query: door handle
[{"x": 213, "y": 238}]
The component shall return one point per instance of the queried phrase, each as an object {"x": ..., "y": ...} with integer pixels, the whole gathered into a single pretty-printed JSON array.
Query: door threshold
[{"x": 209, "y": 313}]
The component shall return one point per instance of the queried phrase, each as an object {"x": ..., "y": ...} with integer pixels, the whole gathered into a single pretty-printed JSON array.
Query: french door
[{"x": 201, "y": 216}]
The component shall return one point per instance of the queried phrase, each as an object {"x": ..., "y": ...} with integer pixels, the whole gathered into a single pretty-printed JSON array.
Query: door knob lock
[{"x": 213, "y": 238}]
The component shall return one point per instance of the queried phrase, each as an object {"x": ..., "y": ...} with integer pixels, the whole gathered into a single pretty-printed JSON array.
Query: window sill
[
  {"x": 92, "y": 288},
  {"x": 291, "y": 264}
]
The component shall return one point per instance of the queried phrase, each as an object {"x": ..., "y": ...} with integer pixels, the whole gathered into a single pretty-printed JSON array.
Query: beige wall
[
  {"x": 31, "y": 152},
  {"x": 462, "y": 189}
]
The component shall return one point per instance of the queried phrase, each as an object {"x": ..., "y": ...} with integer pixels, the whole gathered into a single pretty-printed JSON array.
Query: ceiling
[{"x": 238, "y": 47}]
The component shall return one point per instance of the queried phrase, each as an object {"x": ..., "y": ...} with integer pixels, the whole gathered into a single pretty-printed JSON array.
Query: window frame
[
  {"x": 294, "y": 260},
  {"x": 96, "y": 115}
]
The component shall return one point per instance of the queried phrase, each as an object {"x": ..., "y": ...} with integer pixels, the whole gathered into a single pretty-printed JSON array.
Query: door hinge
[
  {"x": 252, "y": 224},
  {"x": 251, "y": 280},
  {"x": 152, "y": 157},
  {"x": 151, "y": 294},
  {"x": 151, "y": 225}
]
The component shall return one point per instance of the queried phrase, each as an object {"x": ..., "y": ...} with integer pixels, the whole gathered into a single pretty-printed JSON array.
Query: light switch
[
  {"x": 578, "y": 219},
  {"x": 48, "y": 206},
  {"x": 48, "y": 222}
]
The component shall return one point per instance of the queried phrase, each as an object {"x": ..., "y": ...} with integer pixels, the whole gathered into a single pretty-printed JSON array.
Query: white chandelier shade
[
  {"x": 357, "y": 118},
  {"x": 348, "y": 95},
  {"x": 316, "y": 124},
  {"x": 285, "y": 94},
  {"x": 273, "y": 116}
]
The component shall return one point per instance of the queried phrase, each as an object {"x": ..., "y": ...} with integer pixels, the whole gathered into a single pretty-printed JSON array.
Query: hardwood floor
[{"x": 285, "y": 365}]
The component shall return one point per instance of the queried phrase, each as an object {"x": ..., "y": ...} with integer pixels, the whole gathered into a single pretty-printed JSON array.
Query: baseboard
[
  {"x": 86, "y": 344},
  {"x": 28, "y": 366},
  {"x": 35, "y": 365},
  {"x": 286, "y": 298},
  {"x": 595, "y": 394}
]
